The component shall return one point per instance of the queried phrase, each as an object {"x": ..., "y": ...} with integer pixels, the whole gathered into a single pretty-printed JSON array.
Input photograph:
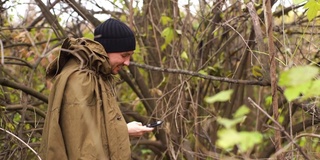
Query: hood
[{"x": 90, "y": 55}]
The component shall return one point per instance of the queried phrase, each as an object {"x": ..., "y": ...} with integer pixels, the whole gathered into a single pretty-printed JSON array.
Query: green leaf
[
  {"x": 227, "y": 138},
  {"x": 163, "y": 47},
  {"x": 248, "y": 140},
  {"x": 34, "y": 140},
  {"x": 123, "y": 18},
  {"x": 296, "y": 2},
  {"x": 313, "y": 8},
  {"x": 300, "y": 81},
  {"x": 168, "y": 34},
  {"x": 10, "y": 126},
  {"x": 268, "y": 101},
  {"x": 40, "y": 86},
  {"x": 203, "y": 72},
  {"x": 314, "y": 90},
  {"x": 242, "y": 111},
  {"x": 16, "y": 118},
  {"x": 165, "y": 20},
  {"x": 229, "y": 123},
  {"x": 184, "y": 55},
  {"x": 146, "y": 151},
  {"x": 297, "y": 75},
  {"x": 219, "y": 97},
  {"x": 88, "y": 35},
  {"x": 257, "y": 71},
  {"x": 302, "y": 141},
  {"x": 294, "y": 92}
]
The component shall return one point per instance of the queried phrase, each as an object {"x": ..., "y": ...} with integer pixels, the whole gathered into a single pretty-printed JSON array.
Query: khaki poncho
[{"x": 83, "y": 119}]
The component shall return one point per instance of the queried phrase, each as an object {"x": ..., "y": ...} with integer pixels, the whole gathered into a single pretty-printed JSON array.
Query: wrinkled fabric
[{"x": 83, "y": 119}]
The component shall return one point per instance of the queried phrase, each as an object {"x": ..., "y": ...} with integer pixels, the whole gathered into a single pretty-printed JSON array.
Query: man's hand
[{"x": 136, "y": 129}]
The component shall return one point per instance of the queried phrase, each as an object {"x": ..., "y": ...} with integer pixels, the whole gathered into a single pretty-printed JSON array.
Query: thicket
[{"x": 231, "y": 79}]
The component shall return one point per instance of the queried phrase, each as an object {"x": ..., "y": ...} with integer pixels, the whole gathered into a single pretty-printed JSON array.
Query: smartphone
[{"x": 154, "y": 124}]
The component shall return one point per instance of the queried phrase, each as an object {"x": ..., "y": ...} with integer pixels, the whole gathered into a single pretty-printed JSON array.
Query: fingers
[
  {"x": 136, "y": 129},
  {"x": 147, "y": 129},
  {"x": 135, "y": 122}
]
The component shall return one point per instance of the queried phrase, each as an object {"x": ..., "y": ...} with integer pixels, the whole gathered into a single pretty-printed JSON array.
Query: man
[{"x": 83, "y": 119}]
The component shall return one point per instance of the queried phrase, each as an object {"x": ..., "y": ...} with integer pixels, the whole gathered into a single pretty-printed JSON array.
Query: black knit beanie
[{"x": 115, "y": 36}]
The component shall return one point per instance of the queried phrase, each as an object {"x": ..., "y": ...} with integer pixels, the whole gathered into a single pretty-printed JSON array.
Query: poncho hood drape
[{"x": 83, "y": 118}]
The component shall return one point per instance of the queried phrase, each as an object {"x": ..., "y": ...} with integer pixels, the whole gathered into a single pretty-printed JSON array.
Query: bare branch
[
  {"x": 28, "y": 107},
  {"x": 25, "y": 89},
  {"x": 196, "y": 74}
]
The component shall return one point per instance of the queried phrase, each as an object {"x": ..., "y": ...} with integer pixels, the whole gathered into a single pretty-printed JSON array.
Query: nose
[{"x": 127, "y": 61}]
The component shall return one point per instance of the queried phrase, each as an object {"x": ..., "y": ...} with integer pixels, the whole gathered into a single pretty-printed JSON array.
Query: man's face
[{"x": 118, "y": 60}]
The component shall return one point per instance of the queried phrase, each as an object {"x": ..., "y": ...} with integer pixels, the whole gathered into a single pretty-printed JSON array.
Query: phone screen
[{"x": 154, "y": 124}]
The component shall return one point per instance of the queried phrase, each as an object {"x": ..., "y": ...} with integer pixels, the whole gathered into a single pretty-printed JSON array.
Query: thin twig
[
  {"x": 22, "y": 142},
  {"x": 281, "y": 129},
  {"x": 297, "y": 137},
  {"x": 2, "y": 52},
  {"x": 307, "y": 135},
  {"x": 20, "y": 61}
]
